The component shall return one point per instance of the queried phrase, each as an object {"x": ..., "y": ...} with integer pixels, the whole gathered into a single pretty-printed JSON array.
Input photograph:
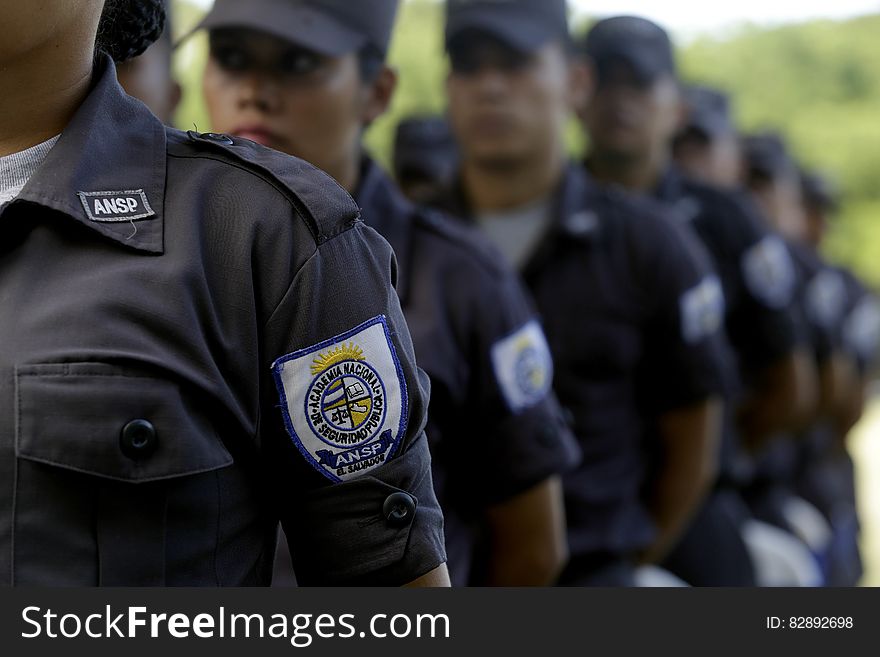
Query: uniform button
[
  {"x": 220, "y": 139},
  {"x": 138, "y": 439},
  {"x": 399, "y": 509}
]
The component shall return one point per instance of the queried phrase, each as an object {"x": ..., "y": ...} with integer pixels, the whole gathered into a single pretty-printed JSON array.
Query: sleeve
[
  {"x": 686, "y": 352},
  {"x": 342, "y": 432},
  {"x": 824, "y": 302},
  {"x": 762, "y": 324},
  {"x": 514, "y": 433},
  {"x": 861, "y": 324}
]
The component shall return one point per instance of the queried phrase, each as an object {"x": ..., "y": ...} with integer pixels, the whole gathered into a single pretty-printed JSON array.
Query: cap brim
[
  {"x": 521, "y": 33},
  {"x": 296, "y": 23}
]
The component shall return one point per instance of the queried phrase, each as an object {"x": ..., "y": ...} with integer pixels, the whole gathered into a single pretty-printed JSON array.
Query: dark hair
[{"x": 129, "y": 27}]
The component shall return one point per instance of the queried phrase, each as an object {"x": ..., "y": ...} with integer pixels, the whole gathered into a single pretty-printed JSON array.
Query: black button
[
  {"x": 138, "y": 439},
  {"x": 399, "y": 509}
]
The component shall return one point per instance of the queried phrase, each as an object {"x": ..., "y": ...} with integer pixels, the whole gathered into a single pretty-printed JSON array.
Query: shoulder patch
[
  {"x": 702, "y": 310},
  {"x": 344, "y": 400},
  {"x": 861, "y": 330},
  {"x": 826, "y": 298},
  {"x": 769, "y": 272},
  {"x": 523, "y": 366}
]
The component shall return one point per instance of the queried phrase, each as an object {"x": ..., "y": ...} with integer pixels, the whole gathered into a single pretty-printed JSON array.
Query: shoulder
[
  {"x": 464, "y": 244},
  {"x": 728, "y": 211},
  {"x": 263, "y": 176},
  {"x": 653, "y": 232}
]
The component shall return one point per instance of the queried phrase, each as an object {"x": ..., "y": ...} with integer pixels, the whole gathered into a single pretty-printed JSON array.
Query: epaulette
[{"x": 323, "y": 203}]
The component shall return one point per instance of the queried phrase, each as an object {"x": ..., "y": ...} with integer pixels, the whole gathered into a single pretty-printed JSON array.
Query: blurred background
[{"x": 809, "y": 69}]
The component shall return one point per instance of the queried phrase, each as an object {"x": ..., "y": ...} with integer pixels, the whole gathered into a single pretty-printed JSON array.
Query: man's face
[
  {"x": 630, "y": 116},
  {"x": 506, "y": 106},
  {"x": 781, "y": 202},
  {"x": 149, "y": 79},
  {"x": 271, "y": 91},
  {"x": 816, "y": 224},
  {"x": 714, "y": 160}
]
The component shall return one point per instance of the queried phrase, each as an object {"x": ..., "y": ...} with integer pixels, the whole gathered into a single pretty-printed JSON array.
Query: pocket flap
[{"x": 72, "y": 416}]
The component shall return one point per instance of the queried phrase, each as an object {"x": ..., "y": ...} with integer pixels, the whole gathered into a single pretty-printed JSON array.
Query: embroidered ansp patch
[
  {"x": 114, "y": 206},
  {"x": 702, "y": 310},
  {"x": 344, "y": 400},
  {"x": 523, "y": 366}
]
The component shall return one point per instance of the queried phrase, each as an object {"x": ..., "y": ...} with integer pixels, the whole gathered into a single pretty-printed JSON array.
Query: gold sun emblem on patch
[{"x": 342, "y": 353}]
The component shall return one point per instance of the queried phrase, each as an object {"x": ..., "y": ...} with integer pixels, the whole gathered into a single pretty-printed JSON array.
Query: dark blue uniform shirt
[
  {"x": 632, "y": 310},
  {"x": 494, "y": 425}
]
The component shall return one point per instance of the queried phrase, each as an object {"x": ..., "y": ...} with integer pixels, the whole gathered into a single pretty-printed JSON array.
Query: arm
[
  {"x": 528, "y": 541},
  {"x": 784, "y": 397},
  {"x": 439, "y": 577},
  {"x": 690, "y": 442}
]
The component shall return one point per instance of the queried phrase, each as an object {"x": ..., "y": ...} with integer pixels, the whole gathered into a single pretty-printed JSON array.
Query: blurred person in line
[
  {"x": 630, "y": 304},
  {"x": 771, "y": 175},
  {"x": 826, "y": 475},
  {"x": 307, "y": 77},
  {"x": 149, "y": 78},
  {"x": 707, "y": 147},
  {"x": 424, "y": 157},
  {"x": 636, "y": 110},
  {"x": 172, "y": 299}
]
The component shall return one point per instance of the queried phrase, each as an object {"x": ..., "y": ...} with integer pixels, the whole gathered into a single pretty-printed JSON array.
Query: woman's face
[
  {"x": 270, "y": 91},
  {"x": 46, "y": 24}
]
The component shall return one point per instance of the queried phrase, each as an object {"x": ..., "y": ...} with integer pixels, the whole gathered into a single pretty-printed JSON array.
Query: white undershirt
[
  {"x": 517, "y": 232},
  {"x": 16, "y": 169}
]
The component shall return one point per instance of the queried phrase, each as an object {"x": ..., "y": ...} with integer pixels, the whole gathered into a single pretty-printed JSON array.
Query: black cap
[
  {"x": 766, "y": 156},
  {"x": 425, "y": 144},
  {"x": 524, "y": 25},
  {"x": 637, "y": 41},
  {"x": 708, "y": 112},
  {"x": 328, "y": 27},
  {"x": 819, "y": 191}
]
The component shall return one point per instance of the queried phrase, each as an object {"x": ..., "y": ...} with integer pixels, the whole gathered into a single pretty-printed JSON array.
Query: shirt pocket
[{"x": 103, "y": 453}]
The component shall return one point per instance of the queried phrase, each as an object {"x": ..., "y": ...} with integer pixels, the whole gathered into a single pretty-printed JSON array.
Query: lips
[{"x": 258, "y": 134}]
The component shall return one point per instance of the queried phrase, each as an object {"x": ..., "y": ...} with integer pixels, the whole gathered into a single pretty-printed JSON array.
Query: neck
[
  {"x": 497, "y": 188},
  {"x": 637, "y": 174},
  {"x": 41, "y": 91}
]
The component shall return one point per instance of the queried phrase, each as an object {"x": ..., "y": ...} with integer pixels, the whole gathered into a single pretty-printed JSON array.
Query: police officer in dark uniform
[
  {"x": 772, "y": 177},
  {"x": 205, "y": 341},
  {"x": 629, "y": 303},
  {"x": 425, "y": 157},
  {"x": 631, "y": 122},
  {"x": 706, "y": 148},
  {"x": 498, "y": 436}
]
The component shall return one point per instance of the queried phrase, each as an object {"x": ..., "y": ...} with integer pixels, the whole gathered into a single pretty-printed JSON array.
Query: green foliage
[{"x": 818, "y": 82}]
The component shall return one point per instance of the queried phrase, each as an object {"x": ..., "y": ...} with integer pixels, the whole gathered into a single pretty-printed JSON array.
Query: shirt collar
[
  {"x": 112, "y": 145},
  {"x": 388, "y": 212}
]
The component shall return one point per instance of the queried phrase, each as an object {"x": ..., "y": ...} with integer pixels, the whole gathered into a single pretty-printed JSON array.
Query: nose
[
  {"x": 490, "y": 83},
  {"x": 259, "y": 91}
]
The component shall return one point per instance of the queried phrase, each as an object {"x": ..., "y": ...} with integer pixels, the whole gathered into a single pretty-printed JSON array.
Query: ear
[
  {"x": 581, "y": 85},
  {"x": 379, "y": 94},
  {"x": 174, "y": 96}
]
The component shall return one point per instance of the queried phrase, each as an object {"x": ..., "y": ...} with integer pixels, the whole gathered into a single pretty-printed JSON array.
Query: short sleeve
[
  {"x": 342, "y": 429},
  {"x": 686, "y": 353},
  {"x": 513, "y": 434},
  {"x": 762, "y": 325}
]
